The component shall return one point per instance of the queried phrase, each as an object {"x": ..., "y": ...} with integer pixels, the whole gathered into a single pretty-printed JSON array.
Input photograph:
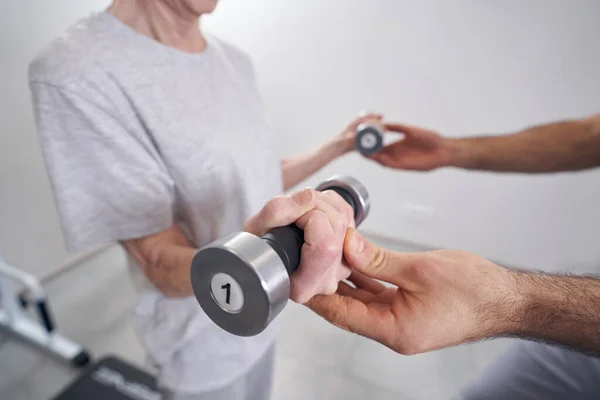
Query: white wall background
[
  {"x": 462, "y": 67},
  {"x": 29, "y": 229}
]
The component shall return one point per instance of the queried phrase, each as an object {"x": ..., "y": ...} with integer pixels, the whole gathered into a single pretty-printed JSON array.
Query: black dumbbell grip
[{"x": 287, "y": 241}]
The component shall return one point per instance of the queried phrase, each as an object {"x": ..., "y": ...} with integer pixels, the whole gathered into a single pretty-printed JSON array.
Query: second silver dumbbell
[{"x": 369, "y": 138}]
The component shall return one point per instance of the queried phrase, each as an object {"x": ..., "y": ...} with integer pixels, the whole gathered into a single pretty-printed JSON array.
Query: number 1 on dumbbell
[
  {"x": 227, "y": 293},
  {"x": 227, "y": 286}
]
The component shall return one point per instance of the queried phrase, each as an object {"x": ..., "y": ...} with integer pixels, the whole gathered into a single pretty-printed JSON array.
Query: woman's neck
[{"x": 175, "y": 26}]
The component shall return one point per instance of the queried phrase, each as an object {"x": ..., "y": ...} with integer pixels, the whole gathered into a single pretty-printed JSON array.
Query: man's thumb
[{"x": 373, "y": 261}]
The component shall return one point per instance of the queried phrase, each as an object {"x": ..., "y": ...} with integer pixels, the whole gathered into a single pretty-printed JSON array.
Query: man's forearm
[
  {"x": 299, "y": 167},
  {"x": 561, "y": 146},
  {"x": 563, "y": 310}
]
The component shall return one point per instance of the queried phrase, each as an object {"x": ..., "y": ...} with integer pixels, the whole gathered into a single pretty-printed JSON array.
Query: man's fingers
[
  {"x": 391, "y": 153},
  {"x": 424, "y": 137},
  {"x": 359, "y": 294},
  {"x": 364, "y": 282},
  {"x": 401, "y": 128},
  {"x": 375, "y": 262},
  {"x": 355, "y": 316},
  {"x": 280, "y": 211},
  {"x": 385, "y": 157},
  {"x": 378, "y": 293}
]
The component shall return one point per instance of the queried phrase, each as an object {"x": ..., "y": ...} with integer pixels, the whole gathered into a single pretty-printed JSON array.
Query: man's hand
[
  {"x": 324, "y": 217},
  {"x": 439, "y": 298},
  {"x": 420, "y": 149},
  {"x": 570, "y": 145}
]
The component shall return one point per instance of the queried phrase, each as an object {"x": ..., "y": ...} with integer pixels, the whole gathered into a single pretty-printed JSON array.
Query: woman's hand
[
  {"x": 324, "y": 217},
  {"x": 296, "y": 168}
]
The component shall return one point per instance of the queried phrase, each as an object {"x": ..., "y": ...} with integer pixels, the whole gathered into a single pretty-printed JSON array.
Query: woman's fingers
[
  {"x": 280, "y": 211},
  {"x": 336, "y": 221},
  {"x": 321, "y": 267},
  {"x": 340, "y": 205},
  {"x": 286, "y": 209},
  {"x": 325, "y": 218},
  {"x": 365, "y": 117}
]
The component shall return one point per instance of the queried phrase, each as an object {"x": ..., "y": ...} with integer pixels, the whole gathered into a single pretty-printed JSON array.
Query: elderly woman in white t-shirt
[{"x": 155, "y": 137}]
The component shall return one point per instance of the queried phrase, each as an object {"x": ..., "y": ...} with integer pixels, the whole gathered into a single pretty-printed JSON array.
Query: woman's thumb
[{"x": 375, "y": 262}]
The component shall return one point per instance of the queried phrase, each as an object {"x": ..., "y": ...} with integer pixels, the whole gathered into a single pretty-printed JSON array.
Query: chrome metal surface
[
  {"x": 54, "y": 344},
  {"x": 357, "y": 190},
  {"x": 259, "y": 271}
]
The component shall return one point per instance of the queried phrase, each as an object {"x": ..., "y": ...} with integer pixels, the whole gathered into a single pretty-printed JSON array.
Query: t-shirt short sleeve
[{"x": 108, "y": 180}]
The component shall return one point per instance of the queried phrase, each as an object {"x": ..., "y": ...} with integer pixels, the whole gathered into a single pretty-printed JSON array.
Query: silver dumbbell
[
  {"x": 242, "y": 282},
  {"x": 369, "y": 138}
]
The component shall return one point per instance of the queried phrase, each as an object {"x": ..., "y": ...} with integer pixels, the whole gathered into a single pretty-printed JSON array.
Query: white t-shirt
[{"x": 137, "y": 136}]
